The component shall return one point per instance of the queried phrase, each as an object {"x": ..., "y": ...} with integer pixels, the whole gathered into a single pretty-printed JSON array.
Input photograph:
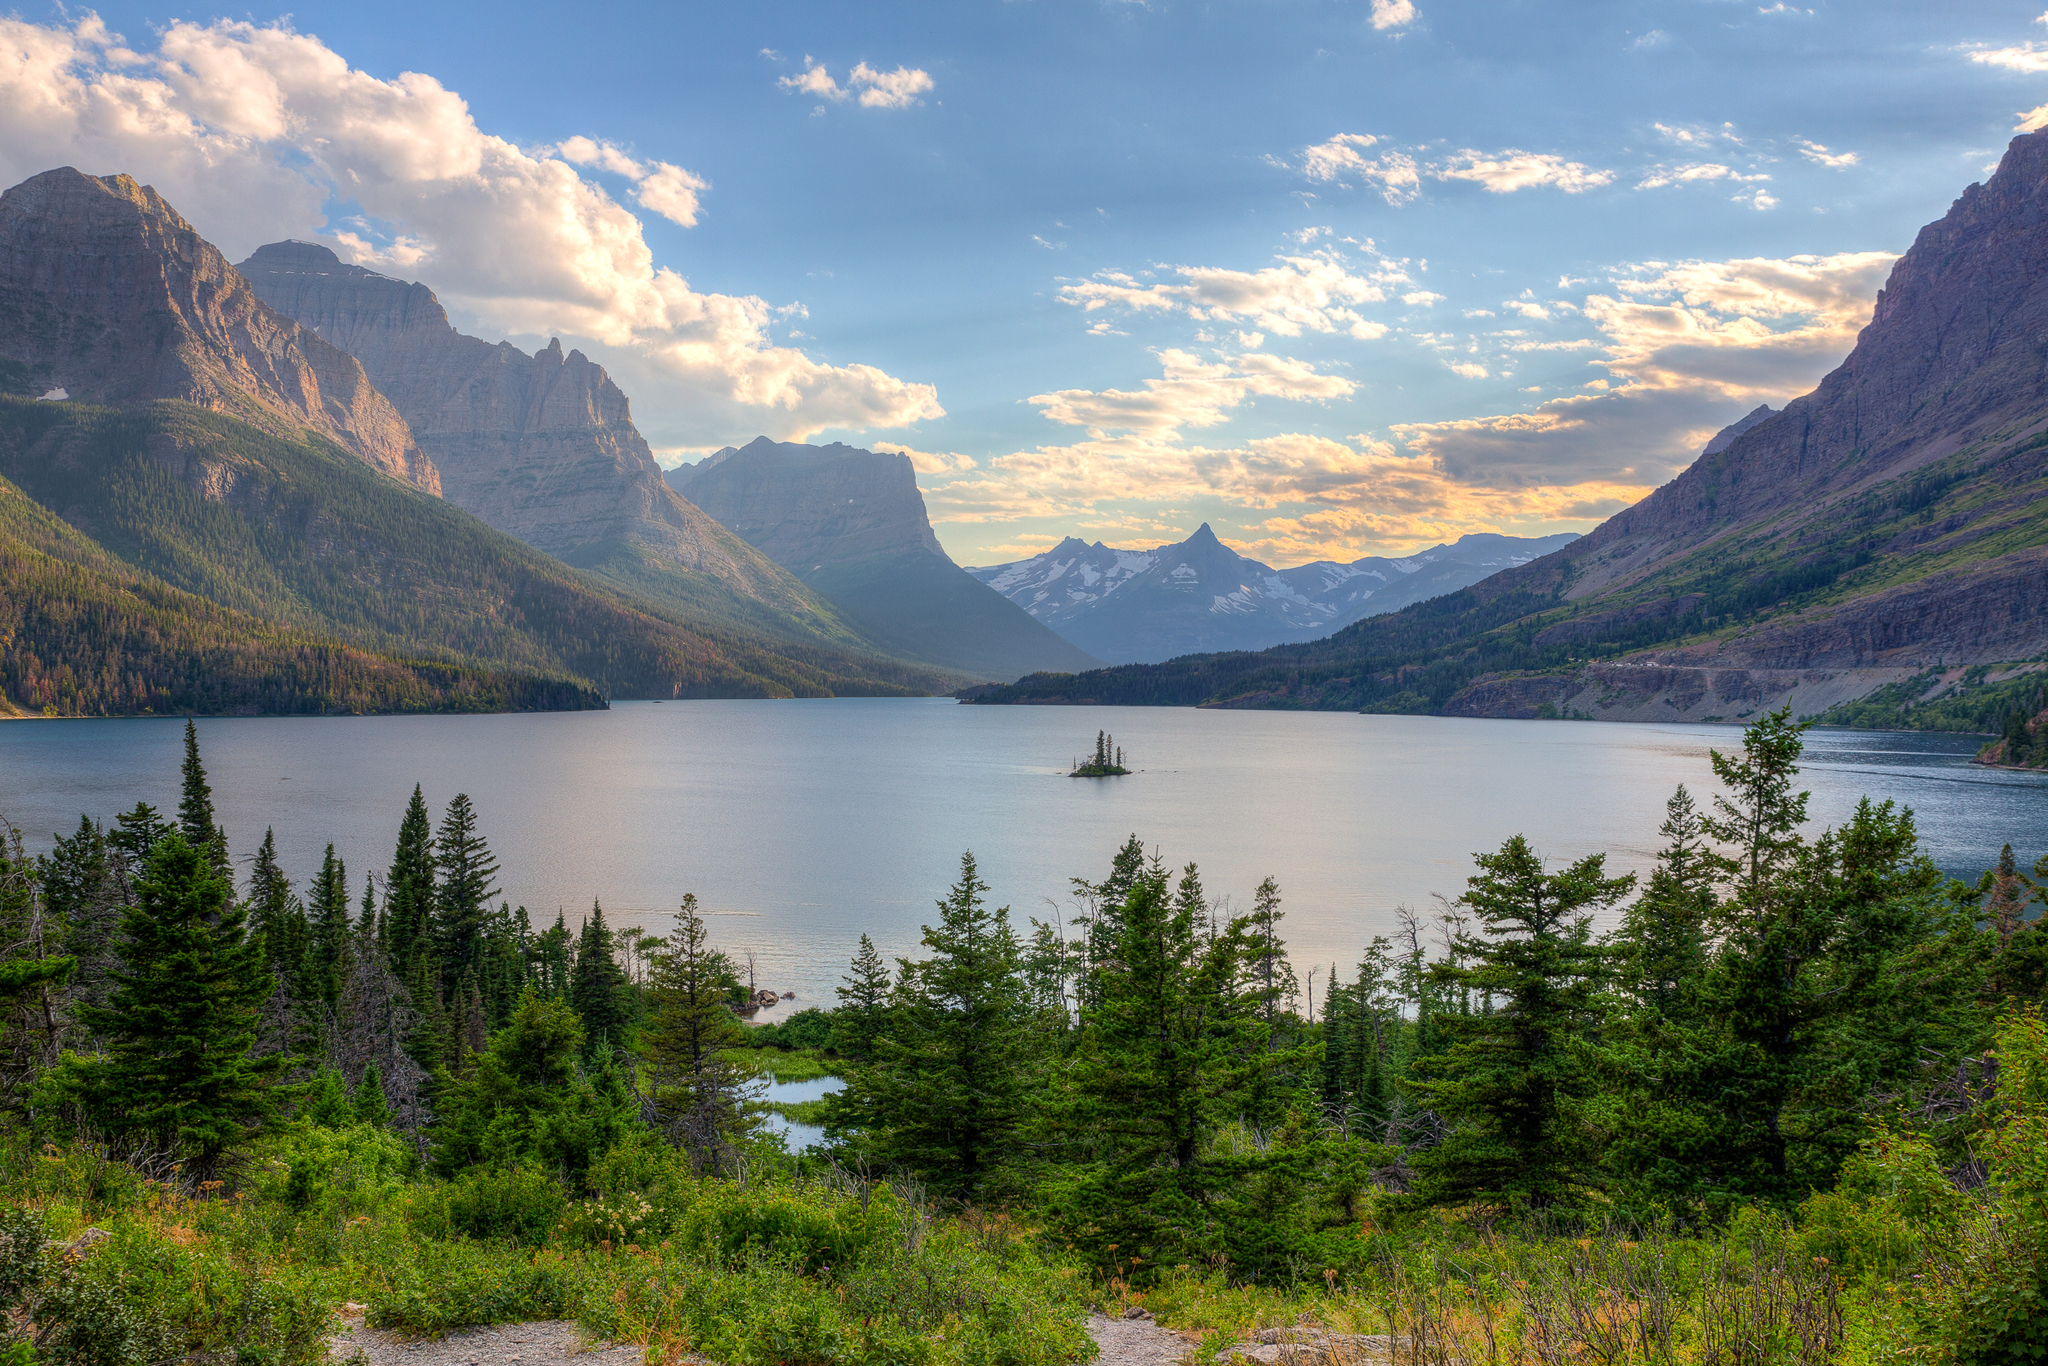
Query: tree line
[{"x": 1151, "y": 1077}]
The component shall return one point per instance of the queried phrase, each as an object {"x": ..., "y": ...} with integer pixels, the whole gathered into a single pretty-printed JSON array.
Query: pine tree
[
  {"x": 700, "y": 1094},
  {"x": 84, "y": 885},
  {"x": 1267, "y": 973},
  {"x": 1514, "y": 1082},
  {"x": 195, "y": 802},
  {"x": 466, "y": 881},
  {"x": 1160, "y": 1065},
  {"x": 182, "y": 1017},
  {"x": 409, "y": 891},
  {"x": 276, "y": 916},
  {"x": 369, "y": 1106},
  {"x": 863, "y": 1014},
  {"x": 327, "y": 934},
  {"x": 952, "y": 1086},
  {"x": 1661, "y": 948},
  {"x": 597, "y": 988}
]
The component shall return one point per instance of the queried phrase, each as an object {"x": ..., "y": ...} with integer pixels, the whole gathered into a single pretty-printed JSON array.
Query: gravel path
[
  {"x": 529, "y": 1344},
  {"x": 1124, "y": 1342},
  {"x": 1135, "y": 1342}
]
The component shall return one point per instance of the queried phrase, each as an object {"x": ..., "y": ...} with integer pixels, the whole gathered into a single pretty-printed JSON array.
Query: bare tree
[{"x": 369, "y": 1025}]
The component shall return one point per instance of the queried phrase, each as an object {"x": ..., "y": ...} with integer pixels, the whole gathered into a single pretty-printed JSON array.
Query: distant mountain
[
  {"x": 1144, "y": 606},
  {"x": 852, "y": 524},
  {"x": 542, "y": 447},
  {"x": 1892, "y": 522},
  {"x": 230, "y": 537},
  {"x": 108, "y": 296}
]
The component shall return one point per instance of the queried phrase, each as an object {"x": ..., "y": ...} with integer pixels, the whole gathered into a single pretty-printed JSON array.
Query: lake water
[{"x": 801, "y": 825}]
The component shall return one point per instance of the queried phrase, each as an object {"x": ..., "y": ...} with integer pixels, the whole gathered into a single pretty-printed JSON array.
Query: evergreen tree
[
  {"x": 276, "y": 917},
  {"x": 862, "y": 1017},
  {"x": 1161, "y": 1064},
  {"x": 597, "y": 988},
  {"x": 1661, "y": 948},
  {"x": 953, "y": 1082},
  {"x": 195, "y": 801},
  {"x": 700, "y": 1094},
  {"x": 409, "y": 892},
  {"x": 31, "y": 971},
  {"x": 327, "y": 933},
  {"x": 182, "y": 1018},
  {"x": 84, "y": 886},
  {"x": 1515, "y": 1080},
  {"x": 1268, "y": 976},
  {"x": 467, "y": 880},
  {"x": 368, "y": 1105}
]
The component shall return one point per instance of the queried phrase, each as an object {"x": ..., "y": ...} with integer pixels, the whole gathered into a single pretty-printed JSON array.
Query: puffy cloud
[
  {"x": 896, "y": 89},
  {"x": 1688, "y": 347},
  {"x": 929, "y": 462},
  {"x": 252, "y": 130},
  {"x": 1691, "y": 172},
  {"x": 1814, "y": 152},
  {"x": 1398, "y": 175},
  {"x": 2032, "y": 120},
  {"x": 2028, "y": 57},
  {"x": 1191, "y": 392},
  {"x": 1315, "y": 292},
  {"x": 1392, "y": 13},
  {"x": 1506, "y": 172}
]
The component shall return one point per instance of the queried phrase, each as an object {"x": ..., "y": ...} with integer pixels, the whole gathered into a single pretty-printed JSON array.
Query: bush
[{"x": 519, "y": 1204}]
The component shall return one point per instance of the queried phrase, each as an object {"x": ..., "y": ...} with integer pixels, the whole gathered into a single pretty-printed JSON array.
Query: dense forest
[
  {"x": 1784, "y": 1099},
  {"x": 230, "y": 536}
]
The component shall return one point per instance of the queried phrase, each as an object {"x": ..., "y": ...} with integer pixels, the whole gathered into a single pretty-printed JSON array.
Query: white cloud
[
  {"x": 1759, "y": 198},
  {"x": 1506, "y": 172},
  {"x": 1526, "y": 309},
  {"x": 1315, "y": 292},
  {"x": 1191, "y": 392},
  {"x": 1469, "y": 369},
  {"x": 1814, "y": 152},
  {"x": 1689, "y": 346},
  {"x": 1398, "y": 175},
  {"x": 898, "y": 89},
  {"x": 2031, "y": 58},
  {"x": 2031, "y": 120},
  {"x": 667, "y": 189},
  {"x": 1691, "y": 172},
  {"x": 928, "y": 462},
  {"x": 1392, "y": 13},
  {"x": 250, "y": 131},
  {"x": 1422, "y": 298}
]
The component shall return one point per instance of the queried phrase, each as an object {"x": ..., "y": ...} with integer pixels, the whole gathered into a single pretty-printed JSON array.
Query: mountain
[
  {"x": 541, "y": 446},
  {"x": 1144, "y": 606},
  {"x": 1891, "y": 524},
  {"x": 851, "y": 524},
  {"x": 233, "y": 535},
  {"x": 107, "y": 295}
]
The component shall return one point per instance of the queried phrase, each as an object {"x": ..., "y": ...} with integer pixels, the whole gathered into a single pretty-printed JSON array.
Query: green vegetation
[
  {"x": 1945, "y": 700},
  {"x": 1106, "y": 762},
  {"x": 245, "y": 572},
  {"x": 1793, "y": 1108}
]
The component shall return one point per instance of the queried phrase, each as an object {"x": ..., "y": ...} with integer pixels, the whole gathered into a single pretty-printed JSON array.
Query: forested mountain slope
[
  {"x": 542, "y": 447},
  {"x": 82, "y": 634},
  {"x": 308, "y": 538},
  {"x": 1889, "y": 523},
  {"x": 852, "y": 525}
]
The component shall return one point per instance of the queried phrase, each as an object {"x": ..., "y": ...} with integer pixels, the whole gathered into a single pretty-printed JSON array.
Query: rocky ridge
[
  {"x": 851, "y": 524},
  {"x": 107, "y": 295},
  {"x": 1143, "y": 606},
  {"x": 542, "y": 446}
]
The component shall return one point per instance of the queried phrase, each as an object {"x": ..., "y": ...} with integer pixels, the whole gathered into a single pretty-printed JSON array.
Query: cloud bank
[{"x": 258, "y": 132}]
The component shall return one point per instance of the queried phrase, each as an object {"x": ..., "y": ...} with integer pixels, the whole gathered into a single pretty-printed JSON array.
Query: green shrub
[
  {"x": 438, "y": 1286},
  {"x": 520, "y": 1204}
]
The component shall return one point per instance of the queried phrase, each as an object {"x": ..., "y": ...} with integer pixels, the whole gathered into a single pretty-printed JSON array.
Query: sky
[{"x": 1339, "y": 277}]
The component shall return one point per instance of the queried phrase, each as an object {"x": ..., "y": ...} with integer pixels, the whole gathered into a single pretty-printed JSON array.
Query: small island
[{"x": 1108, "y": 761}]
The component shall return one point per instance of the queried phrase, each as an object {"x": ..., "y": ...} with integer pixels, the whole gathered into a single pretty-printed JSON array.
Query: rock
[
  {"x": 851, "y": 524},
  {"x": 1137, "y": 1311},
  {"x": 542, "y": 446},
  {"x": 108, "y": 296},
  {"x": 85, "y": 1242},
  {"x": 1311, "y": 1346}
]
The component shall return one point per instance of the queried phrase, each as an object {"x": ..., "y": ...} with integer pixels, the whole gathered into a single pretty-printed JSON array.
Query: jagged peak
[{"x": 1203, "y": 536}]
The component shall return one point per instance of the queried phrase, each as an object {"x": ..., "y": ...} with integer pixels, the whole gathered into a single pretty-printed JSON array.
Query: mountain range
[
  {"x": 207, "y": 506},
  {"x": 1891, "y": 525},
  {"x": 1199, "y": 595},
  {"x": 851, "y": 524}
]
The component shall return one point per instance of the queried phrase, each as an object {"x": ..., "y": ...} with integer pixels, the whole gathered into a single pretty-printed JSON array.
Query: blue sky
[{"x": 1335, "y": 277}]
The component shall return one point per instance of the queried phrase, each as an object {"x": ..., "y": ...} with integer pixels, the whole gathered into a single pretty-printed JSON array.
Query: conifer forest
[{"x": 1782, "y": 1100}]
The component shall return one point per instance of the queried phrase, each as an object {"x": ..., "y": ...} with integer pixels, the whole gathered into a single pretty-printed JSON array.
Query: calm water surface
[{"x": 801, "y": 825}]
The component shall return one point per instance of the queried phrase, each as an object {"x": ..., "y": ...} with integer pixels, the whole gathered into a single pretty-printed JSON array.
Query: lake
[{"x": 802, "y": 824}]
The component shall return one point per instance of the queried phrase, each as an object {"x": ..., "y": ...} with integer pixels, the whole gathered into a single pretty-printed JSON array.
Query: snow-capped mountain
[{"x": 1200, "y": 596}]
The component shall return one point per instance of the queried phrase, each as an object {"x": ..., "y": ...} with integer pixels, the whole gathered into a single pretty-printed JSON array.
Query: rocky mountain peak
[
  {"x": 109, "y": 294},
  {"x": 805, "y": 506}
]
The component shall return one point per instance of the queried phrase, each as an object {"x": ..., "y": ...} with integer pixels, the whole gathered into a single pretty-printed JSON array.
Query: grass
[{"x": 790, "y": 1064}]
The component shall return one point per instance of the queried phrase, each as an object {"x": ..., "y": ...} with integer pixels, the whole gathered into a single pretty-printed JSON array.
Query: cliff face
[
  {"x": 542, "y": 447},
  {"x": 809, "y": 506},
  {"x": 851, "y": 524},
  {"x": 108, "y": 295}
]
